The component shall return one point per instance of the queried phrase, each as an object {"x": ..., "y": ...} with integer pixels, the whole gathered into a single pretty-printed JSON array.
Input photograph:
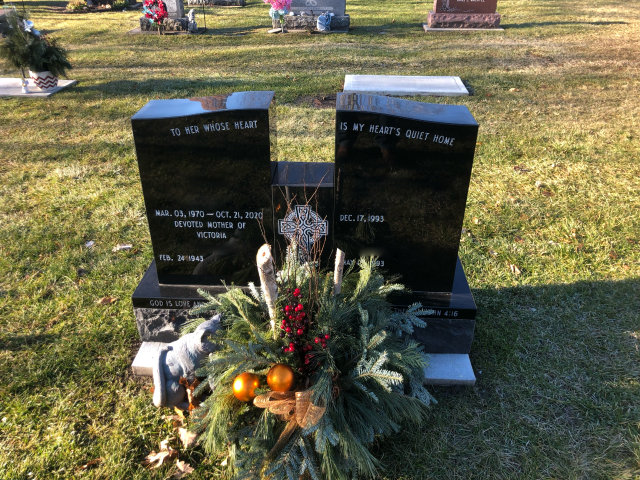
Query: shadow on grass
[
  {"x": 177, "y": 88},
  {"x": 557, "y": 371},
  {"x": 39, "y": 3},
  {"x": 233, "y": 31},
  {"x": 549, "y": 24}
]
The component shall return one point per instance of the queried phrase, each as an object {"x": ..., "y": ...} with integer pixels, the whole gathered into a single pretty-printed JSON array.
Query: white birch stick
[
  {"x": 266, "y": 271},
  {"x": 337, "y": 273}
]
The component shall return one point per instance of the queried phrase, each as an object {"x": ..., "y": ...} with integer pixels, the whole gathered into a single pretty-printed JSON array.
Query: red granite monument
[{"x": 464, "y": 14}]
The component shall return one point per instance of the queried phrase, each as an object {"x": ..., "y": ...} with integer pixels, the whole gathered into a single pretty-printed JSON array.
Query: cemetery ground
[{"x": 551, "y": 247}]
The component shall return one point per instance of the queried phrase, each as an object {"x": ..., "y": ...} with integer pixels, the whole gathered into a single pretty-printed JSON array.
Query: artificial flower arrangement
[
  {"x": 279, "y": 8},
  {"x": 26, "y": 47},
  {"x": 156, "y": 12},
  {"x": 312, "y": 366}
]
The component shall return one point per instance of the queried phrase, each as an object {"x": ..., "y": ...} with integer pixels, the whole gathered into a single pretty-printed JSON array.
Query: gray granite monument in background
[
  {"x": 175, "y": 8},
  {"x": 177, "y": 21},
  {"x": 306, "y": 13},
  {"x": 218, "y": 3}
]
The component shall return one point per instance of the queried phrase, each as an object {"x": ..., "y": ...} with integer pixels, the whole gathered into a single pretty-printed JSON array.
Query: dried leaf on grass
[
  {"x": 166, "y": 453},
  {"x": 514, "y": 269},
  {"x": 193, "y": 401},
  {"x": 183, "y": 469},
  {"x": 188, "y": 438},
  {"x": 176, "y": 420},
  {"x": 122, "y": 246},
  {"x": 93, "y": 463},
  {"x": 106, "y": 300}
]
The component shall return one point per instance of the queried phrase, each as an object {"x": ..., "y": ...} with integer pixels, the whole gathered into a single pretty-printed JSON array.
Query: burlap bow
[{"x": 294, "y": 407}]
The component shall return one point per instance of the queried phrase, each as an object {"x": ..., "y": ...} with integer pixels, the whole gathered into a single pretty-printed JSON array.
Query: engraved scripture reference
[{"x": 304, "y": 226}]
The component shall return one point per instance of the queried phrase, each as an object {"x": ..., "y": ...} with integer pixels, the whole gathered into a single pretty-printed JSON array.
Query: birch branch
[
  {"x": 337, "y": 273},
  {"x": 266, "y": 271}
]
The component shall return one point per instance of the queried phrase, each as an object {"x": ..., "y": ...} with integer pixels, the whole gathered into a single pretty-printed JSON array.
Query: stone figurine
[
  {"x": 181, "y": 359},
  {"x": 193, "y": 26}
]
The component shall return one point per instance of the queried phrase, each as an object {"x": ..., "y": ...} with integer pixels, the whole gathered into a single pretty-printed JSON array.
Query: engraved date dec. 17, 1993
[{"x": 362, "y": 218}]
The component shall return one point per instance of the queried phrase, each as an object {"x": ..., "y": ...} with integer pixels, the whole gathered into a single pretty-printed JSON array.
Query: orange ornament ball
[
  {"x": 244, "y": 386},
  {"x": 281, "y": 377}
]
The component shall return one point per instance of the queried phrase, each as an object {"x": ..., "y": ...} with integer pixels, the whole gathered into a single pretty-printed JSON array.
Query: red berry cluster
[
  {"x": 295, "y": 322},
  {"x": 295, "y": 326},
  {"x": 322, "y": 339}
]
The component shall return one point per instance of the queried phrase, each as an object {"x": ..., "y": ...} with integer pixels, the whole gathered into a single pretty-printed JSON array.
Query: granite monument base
[
  {"x": 463, "y": 20},
  {"x": 451, "y": 318},
  {"x": 309, "y": 23},
  {"x": 161, "y": 310},
  {"x": 170, "y": 25},
  {"x": 444, "y": 369}
]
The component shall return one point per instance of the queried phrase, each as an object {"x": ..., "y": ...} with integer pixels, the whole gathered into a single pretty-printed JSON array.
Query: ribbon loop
[{"x": 294, "y": 405}]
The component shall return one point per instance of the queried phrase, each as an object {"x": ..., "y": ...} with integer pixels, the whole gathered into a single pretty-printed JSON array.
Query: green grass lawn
[{"x": 557, "y": 346}]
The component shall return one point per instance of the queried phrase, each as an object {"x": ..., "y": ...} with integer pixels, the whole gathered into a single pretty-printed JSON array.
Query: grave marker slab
[
  {"x": 402, "y": 174},
  {"x": 401, "y": 85},
  {"x": 206, "y": 178}
]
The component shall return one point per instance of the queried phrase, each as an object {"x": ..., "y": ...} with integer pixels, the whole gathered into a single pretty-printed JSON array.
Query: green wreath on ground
[{"x": 357, "y": 374}]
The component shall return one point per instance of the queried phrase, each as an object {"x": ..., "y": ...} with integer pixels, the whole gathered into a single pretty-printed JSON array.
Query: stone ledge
[
  {"x": 143, "y": 363},
  {"x": 449, "y": 369},
  {"x": 401, "y": 85},
  {"x": 310, "y": 22},
  {"x": 463, "y": 20}
]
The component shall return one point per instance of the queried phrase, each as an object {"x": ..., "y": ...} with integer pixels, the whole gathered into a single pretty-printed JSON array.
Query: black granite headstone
[
  {"x": 303, "y": 208},
  {"x": 402, "y": 175},
  {"x": 206, "y": 178}
]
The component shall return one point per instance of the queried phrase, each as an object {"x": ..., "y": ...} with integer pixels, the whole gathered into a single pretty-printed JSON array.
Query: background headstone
[
  {"x": 220, "y": 3},
  {"x": 175, "y": 8},
  {"x": 307, "y": 13},
  {"x": 465, "y": 6},
  {"x": 474, "y": 14},
  {"x": 206, "y": 178},
  {"x": 316, "y": 7},
  {"x": 402, "y": 174}
]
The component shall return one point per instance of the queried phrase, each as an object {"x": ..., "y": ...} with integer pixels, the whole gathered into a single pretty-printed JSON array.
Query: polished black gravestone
[
  {"x": 206, "y": 178},
  {"x": 303, "y": 208},
  {"x": 307, "y": 188},
  {"x": 402, "y": 174}
]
